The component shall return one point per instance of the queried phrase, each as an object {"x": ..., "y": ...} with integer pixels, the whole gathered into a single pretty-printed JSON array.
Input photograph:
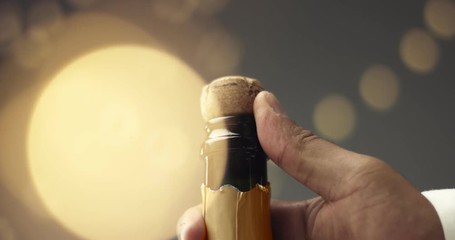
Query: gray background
[{"x": 304, "y": 50}]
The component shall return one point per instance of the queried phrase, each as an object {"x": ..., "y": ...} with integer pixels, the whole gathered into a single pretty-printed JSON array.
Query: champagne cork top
[{"x": 227, "y": 96}]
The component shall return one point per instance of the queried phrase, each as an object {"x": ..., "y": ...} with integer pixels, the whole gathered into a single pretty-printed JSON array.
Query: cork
[
  {"x": 231, "y": 95},
  {"x": 231, "y": 213}
]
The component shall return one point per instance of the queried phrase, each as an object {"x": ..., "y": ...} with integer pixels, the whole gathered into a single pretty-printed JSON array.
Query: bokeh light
[
  {"x": 20, "y": 88},
  {"x": 113, "y": 143},
  {"x": 379, "y": 87},
  {"x": 439, "y": 16},
  {"x": 419, "y": 51},
  {"x": 99, "y": 177},
  {"x": 334, "y": 117}
]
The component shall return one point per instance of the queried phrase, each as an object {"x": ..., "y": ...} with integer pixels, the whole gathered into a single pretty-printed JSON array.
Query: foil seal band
[{"x": 231, "y": 214}]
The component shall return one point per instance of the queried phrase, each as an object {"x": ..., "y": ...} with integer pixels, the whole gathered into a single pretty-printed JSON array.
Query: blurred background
[{"x": 100, "y": 129}]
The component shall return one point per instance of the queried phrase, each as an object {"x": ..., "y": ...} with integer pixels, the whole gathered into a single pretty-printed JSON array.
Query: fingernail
[{"x": 273, "y": 102}]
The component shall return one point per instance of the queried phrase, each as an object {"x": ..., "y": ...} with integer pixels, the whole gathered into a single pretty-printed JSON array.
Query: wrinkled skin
[{"x": 360, "y": 197}]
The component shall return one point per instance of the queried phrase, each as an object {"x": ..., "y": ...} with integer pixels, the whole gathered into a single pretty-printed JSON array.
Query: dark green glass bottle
[{"x": 232, "y": 153}]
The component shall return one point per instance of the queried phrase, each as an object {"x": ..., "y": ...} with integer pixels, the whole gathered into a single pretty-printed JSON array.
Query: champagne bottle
[{"x": 236, "y": 192}]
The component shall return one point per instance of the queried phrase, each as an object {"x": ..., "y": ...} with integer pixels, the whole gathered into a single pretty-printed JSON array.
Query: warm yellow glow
[
  {"x": 47, "y": 52},
  {"x": 440, "y": 17},
  {"x": 113, "y": 143},
  {"x": 379, "y": 87},
  {"x": 419, "y": 51},
  {"x": 334, "y": 117}
]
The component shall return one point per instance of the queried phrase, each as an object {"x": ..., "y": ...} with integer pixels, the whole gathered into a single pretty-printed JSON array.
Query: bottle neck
[{"x": 233, "y": 154}]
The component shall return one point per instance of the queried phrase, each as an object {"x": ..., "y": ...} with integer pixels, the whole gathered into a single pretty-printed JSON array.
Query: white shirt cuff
[{"x": 444, "y": 203}]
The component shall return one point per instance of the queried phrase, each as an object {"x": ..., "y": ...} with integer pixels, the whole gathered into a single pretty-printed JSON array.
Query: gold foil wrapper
[{"x": 230, "y": 214}]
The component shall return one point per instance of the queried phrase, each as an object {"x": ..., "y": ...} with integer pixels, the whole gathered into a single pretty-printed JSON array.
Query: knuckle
[{"x": 301, "y": 137}]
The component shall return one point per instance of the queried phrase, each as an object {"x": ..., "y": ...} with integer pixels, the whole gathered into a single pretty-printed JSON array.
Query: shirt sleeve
[{"x": 444, "y": 203}]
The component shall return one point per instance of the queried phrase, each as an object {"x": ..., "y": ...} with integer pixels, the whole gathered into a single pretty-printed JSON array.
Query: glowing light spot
[
  {"x": 6, "y": 231},
  {"x": 118, "y": 123},
  {"x": 334, "y": 117},
  {"x": 160, "y": 144},
  {"x": 440, "y": 17},
  {"x": 113, "y": 144},
  {"x": 419, "y": 51},
  {"x": 16, "y": 108},
  {"x": 379, "y": 87}
]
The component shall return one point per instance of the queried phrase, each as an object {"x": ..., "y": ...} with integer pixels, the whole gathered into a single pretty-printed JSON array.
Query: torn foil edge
[{"x": 231, "y": 214}]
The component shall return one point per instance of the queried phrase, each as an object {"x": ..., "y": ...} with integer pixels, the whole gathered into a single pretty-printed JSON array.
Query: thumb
[
  {"x": 191, "y": 225},
  {"x": 318, "y": 164}
]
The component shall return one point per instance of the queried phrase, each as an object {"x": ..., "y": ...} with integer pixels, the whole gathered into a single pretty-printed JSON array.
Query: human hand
[{"x": 360, "y": 197}]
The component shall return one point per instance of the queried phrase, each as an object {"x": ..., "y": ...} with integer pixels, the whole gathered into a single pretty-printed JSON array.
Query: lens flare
[
  {"x": 334, "y": 117},
  {"x": 419, "y": 51},
  {"x": 379, "y": 87},
  {"x": 113, "y": 143},
  {"x": 439, "y": 16}
]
